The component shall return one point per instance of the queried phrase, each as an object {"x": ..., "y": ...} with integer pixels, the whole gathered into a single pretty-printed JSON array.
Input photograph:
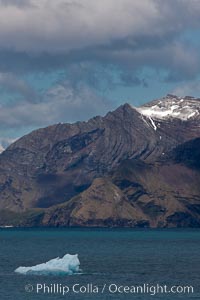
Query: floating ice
[{"x": 67, "y": 265}]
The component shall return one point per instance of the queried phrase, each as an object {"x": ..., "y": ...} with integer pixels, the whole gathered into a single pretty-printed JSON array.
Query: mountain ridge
[{"x": 69, "y": 164}]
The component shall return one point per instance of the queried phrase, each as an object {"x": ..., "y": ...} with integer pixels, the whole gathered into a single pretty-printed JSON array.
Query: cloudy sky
[{"x": 68, "y": 60}]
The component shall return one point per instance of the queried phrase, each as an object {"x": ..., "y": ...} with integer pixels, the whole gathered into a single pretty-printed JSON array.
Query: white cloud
[
  {"x": 61, "y": 103},
  {"x": 1, "y": 148},
  {"x": 11, "y": 83},
  {"x": 5, "y": 142}
]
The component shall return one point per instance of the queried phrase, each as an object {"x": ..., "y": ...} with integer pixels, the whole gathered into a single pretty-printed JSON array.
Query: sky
[{"x": 70, "y": 60}]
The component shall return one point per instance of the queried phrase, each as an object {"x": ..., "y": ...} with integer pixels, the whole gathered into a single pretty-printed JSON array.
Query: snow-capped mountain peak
[{"x": 172, "y": 106}]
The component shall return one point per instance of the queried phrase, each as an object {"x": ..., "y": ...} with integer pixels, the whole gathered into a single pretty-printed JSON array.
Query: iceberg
[{"x": 67, "y": 265}]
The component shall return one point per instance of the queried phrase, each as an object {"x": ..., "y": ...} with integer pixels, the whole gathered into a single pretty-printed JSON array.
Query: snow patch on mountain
[
  {"x": 171, "y": 107},
  {"x": 153, "y": 124}
]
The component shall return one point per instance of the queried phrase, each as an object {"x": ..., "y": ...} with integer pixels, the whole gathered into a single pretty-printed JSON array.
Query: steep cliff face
[{"x": 133, "y": 167}]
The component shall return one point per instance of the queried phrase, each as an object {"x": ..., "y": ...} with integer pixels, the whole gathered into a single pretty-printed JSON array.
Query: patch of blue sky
[
  {"x": 42, "y": 81},
  {"x": 8, "y": 97},
  {"x": 191, "y": 36},
  {"x": 152, "y": 85}
]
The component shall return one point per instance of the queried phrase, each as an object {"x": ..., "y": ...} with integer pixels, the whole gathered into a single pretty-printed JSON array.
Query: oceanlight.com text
[{"x": 112, "y": 288}]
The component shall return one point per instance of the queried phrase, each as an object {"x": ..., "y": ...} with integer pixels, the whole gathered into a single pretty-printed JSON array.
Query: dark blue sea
[{"x": 116, "y": 259}]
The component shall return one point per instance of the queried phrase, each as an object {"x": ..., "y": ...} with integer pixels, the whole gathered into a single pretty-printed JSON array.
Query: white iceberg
[{"x": 67, "y": 265}]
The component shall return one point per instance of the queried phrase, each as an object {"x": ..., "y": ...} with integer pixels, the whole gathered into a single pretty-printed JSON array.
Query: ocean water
[{"x": 116, "y": 259}]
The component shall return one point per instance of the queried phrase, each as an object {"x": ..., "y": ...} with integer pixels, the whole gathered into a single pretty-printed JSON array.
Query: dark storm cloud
[
  {"x": 87, "y": 23},
  {"x": 178, "y": 59},
  {"x": 54, "y": 34},
  {"x": 20, "y": 62}
]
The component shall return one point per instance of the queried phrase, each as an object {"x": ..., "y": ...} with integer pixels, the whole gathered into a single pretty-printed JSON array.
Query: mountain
[{"x": 135, "y": 167}]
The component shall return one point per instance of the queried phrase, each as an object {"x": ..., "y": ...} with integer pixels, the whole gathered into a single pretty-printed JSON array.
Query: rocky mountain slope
[{"x": 133, "y": 167}]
